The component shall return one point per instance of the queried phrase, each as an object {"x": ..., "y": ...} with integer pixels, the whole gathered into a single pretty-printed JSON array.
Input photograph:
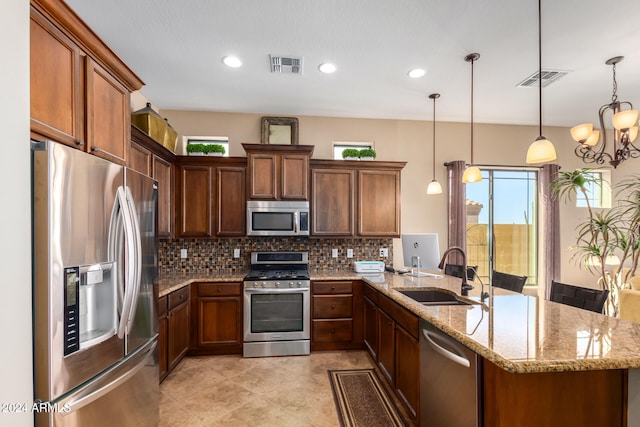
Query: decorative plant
[
  {"x": 350, "y": 152},
  {"x": 196, "y": 148},
  {"x": 367, "y": 152},
  {"x": 606, "y": 233},
  {"x": 214, "y": 148}
]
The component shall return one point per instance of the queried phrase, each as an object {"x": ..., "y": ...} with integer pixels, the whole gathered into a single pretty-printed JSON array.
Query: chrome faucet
[{"x": 465, "y": 287}]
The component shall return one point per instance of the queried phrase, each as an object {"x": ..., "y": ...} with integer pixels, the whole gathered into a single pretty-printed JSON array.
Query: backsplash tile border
[{"x": 209, "y": 256}]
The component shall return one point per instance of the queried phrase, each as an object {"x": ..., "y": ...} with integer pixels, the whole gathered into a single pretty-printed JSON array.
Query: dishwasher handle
[{"x": 456, "y": 358}]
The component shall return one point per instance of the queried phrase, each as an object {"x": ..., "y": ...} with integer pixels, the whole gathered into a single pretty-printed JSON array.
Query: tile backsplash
[{"x": 216, "y": 255}]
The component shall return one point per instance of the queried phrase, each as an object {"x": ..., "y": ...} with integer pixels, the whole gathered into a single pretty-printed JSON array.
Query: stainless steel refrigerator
[{"x": 94, "y": 262}]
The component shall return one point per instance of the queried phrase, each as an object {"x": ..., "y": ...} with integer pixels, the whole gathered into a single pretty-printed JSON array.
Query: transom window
[{"x": 339, "y": 147}]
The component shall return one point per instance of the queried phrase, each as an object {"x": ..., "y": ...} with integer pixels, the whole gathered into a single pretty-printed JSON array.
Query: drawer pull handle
[
  {"x": 333, "y": 306},
  {"x": 219, "y": 289},
  {"x": 333, "y": 288},
  {"x": 333, "y": 331}
]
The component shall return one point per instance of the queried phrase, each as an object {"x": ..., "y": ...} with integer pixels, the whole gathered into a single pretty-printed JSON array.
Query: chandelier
[{"x": 625, "y": 124}]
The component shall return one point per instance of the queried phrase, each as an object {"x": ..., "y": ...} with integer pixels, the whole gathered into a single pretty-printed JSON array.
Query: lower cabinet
[
  {"x": 177, "y": 327},
  {"x": 217, "y": 316},
  {"x": 336, "y": 312},
  {"x": 163, "y": 326},
  {"x": 391, "y": 338}
]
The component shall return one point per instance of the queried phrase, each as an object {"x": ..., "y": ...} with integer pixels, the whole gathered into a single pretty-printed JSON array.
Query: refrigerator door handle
[
  {"x": 136, "y": 258},
  {"x": 90, "y": 394},
  {"x": 130, "y": 278}
]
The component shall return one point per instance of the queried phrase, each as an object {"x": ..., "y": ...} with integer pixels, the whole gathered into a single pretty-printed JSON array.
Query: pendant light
[
  {"x": 434, "y": 186},
  {"x": 541, "y": 150},
  {"x": 472, "y": 173}
]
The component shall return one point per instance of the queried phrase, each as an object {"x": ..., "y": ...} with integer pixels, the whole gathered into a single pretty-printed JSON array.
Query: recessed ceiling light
[
  {"x": 416, "y": 73},
  {"x": 327, "y": 68},
  {"x": 232, "y": 61}
]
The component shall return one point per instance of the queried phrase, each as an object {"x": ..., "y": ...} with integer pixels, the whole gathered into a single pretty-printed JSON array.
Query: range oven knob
[
  {"x": 264, "y": 284},
  {"x": 277, "y": 284},
  {"x": 299, "y": 284},
  {"x": 291, "y": 284},
  {"x": 255, "y": 284}
]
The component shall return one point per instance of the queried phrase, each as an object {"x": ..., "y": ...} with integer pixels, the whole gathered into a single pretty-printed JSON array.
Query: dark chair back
[
  {"x": 507, "y": 281},
  {"x": 455, "y": 270},
  {"x": 576, "y": 296}
]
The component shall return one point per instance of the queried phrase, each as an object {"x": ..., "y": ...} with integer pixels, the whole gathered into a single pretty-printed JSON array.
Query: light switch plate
[
  {"x": 349, "y": 253},
  {"x": 334, "y": 253},
  {"x": 183, "y": 253},
  {"x": 236, "y": 253}
]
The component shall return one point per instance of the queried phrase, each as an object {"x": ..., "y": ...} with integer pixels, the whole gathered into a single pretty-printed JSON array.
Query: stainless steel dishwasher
[{"x": 449, "y": 381}]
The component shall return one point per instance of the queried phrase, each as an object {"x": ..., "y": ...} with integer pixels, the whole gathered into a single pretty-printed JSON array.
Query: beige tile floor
[{"x": 271, "y": 391}]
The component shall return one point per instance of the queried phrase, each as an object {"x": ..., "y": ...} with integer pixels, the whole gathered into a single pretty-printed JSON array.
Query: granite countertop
[{"x": 518, "y": 333}]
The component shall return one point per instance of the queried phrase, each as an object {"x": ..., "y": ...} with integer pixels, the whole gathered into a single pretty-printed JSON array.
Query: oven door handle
[{"x": 276, "y": 290}]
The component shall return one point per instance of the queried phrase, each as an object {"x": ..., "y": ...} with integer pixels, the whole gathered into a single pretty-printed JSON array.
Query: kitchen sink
[{"x": 434, "y": 297}]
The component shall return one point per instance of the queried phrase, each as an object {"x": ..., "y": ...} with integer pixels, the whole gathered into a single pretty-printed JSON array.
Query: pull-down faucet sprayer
[{"x": 465, "y": 287}]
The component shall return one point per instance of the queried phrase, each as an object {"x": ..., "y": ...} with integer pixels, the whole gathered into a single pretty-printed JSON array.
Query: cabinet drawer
[
  {"x": 370, "y": 293},
  {"x": 178, "y": 297},
  {"x": 219, "y": 289},
  {"x": 332, "y": 288},
  {"x": 333, "y": 307},
  {"x": 332, "y": 330},
  {"x": 162, "y": 306}
]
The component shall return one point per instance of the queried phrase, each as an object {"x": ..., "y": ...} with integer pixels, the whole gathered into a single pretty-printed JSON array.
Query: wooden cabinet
[
  {"x": 177, "y": 326},
  {"x": 360, "y": 199},
  {"x": 210, "y": 197},
  {"x": 336, "y": 314},
  {"x": 332, "y": 202},
  {"x": 391, "y": 337},
  {"x": 163, "y": 330},
  {"x": 278, "y": 172},
  {"x": 79, "y": 88},
  {"x": 378, "y": 203},
  {"x": 152, "y": 159},
  {"x": 217, "y": 314}
]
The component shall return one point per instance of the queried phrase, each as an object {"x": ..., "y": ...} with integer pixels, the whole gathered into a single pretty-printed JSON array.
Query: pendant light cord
[
  {"x": 540, "y": 68},
  {"x": 472, "y": 61},
  {"x": 434, "y": 137}
]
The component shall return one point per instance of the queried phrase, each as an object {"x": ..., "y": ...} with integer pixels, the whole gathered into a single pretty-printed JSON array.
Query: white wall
[{"x": 15, "y": 227}]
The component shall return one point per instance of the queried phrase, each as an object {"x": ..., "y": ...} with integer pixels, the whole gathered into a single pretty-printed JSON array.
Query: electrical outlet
[
  {"x": 334, "y": 253},
  {"x": 349, "y": 253},
  {"x": 183, "y": 253},
  {"x": 384, "y": 252},
  {"x": 236, "y": 253}
]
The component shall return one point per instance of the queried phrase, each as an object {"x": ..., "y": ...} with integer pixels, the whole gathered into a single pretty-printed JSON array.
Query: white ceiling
[{"x": 176, "y": 47}]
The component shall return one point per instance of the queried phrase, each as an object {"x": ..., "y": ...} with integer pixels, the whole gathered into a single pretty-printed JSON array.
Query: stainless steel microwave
[{"x": 277, "y": 218}]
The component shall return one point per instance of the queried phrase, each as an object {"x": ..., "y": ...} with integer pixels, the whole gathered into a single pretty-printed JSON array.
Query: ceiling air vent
[
  {"x": 286, "y": 64},
  {"x": 548, "y": 77}
]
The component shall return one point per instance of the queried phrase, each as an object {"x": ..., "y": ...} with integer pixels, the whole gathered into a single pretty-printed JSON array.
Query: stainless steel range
[{"x": 277, "y": 305}]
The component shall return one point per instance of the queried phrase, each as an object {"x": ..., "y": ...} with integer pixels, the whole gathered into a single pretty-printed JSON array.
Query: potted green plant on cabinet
[
  {"x": 608, "y": 237},
  {"x": 215, "y": 149},
  {"x": 196, "y": 149},
  {"x": 350, "y": 154},
  {"x": 367, "y": 154}
]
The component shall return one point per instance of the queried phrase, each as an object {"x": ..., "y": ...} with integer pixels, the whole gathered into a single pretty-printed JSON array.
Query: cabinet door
[
  {"x": 386, "y": 345},
  {"x": 295, "y": 177},
  {"x": 407, "y": 358},
  {"x": 163, "y": 173},
  {"x": 219, "y": 321},
  {"x": 178, "y": 334},
  {"x": 163, "y": 366},
  {"x": 379, "y": 203},
  {"x": 108, "y": 116},
  {"x": 57, "y": 102},
  {"x": 332, "y": 201},
  {"x": 195, "y": 200},
  {"x": 371, "y": 328},
  {"x": 140, "y": 159},
  {"x": 231, "y": 211},
  {"x": 263, "y": 176}
]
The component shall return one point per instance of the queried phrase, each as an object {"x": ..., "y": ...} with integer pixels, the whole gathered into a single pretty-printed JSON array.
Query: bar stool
[
  {"x": 576, "y": 296},
  {"x": 510, "y": 282}
]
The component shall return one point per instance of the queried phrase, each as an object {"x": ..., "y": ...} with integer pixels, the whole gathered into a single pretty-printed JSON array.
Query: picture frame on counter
[{"x": 279, "y": 130}]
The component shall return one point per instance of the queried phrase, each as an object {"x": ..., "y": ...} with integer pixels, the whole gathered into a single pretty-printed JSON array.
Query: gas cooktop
[{"x": 278, "y": 266}]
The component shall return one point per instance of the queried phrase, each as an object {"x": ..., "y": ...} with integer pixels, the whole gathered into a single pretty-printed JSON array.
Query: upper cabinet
[
  {"x": 355, "y": 198},
  {"x": 79, "y": 88},
  {"x": 278, "y": 172}
]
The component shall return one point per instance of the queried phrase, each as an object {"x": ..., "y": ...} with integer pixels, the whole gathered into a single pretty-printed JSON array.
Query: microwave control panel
[{"x": 71, "y": 310}]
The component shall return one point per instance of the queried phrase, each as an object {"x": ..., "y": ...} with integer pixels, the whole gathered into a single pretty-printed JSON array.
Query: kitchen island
[{"x": 542, "y": 362}]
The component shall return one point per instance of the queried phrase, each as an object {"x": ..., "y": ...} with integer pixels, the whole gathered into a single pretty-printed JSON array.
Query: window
[
  {"x": 502, "y": 223},
  {"x": 220, "y": 140},
  {"x": 338, "y": 147},
  {"x": 599, "y": 192}
]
